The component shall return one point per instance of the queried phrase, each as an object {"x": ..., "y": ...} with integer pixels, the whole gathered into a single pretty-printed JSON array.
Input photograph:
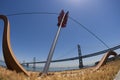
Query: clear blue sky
[{"x": 32, "y": 35}]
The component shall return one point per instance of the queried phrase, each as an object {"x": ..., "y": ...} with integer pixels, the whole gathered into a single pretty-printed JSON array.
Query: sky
[{"x": 33, "y": 34}]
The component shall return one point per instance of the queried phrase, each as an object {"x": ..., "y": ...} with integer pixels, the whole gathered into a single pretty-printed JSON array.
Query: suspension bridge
[{"x": 76, "y": 58}]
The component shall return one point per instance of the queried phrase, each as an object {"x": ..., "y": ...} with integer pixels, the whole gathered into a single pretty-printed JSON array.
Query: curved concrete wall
[{"x": 10, "y": 60}]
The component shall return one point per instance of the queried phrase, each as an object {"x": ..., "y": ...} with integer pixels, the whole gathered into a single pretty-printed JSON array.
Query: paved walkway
[{"x": 117, "y": 76}]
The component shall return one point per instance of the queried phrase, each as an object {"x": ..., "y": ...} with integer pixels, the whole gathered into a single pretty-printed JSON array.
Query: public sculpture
[
  {"x": 10, "y": 60},
  {"x": 104, "y": 59},
  {"x": 13, "y": 64}
]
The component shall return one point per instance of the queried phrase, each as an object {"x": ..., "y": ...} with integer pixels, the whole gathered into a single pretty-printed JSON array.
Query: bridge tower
[
  {"x": 80, "y": 58},
  {"x": 34, "y": 63},
  {"x": 27, "y": 64}
]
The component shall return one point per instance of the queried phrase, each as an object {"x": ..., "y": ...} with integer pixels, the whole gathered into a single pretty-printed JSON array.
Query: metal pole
[
  {"x": 45, "y": 70},
  {"x": 80, "y": 58}
]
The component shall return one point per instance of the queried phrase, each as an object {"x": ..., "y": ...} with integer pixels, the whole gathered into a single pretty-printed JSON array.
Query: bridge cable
[{"x": 67, "y": 53}]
